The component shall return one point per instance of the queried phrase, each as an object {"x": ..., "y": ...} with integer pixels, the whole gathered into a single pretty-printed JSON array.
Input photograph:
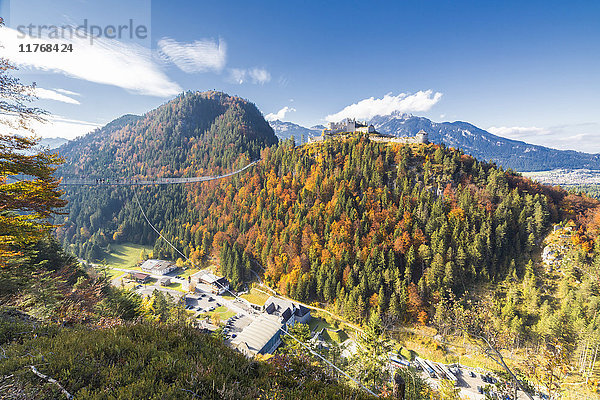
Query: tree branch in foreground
[{"x": 51, "y": 380}]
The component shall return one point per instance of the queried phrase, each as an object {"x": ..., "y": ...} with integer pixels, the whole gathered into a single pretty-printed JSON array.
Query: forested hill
[
  {"x": 353, "y": 223},
  {"x": 190, "y": 135}
]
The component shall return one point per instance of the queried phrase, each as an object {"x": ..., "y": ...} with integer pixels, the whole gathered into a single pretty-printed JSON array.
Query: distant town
[{"x": 566, "y": 176}]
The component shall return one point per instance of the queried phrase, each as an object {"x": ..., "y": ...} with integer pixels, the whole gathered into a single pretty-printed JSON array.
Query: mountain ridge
[
  {"x": 477, "y": 142},
  {"x": 285, "y": 130},
  {"x": 484, "y": 145}
]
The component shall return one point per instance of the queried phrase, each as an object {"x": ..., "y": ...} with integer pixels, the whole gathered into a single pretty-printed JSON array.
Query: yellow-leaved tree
[{"x": 29, "y": 192}]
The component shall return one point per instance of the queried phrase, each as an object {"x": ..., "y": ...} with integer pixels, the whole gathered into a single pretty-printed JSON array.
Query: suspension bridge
[
  {"x": 171, "y": 181},
  {"x": 151, "y": 181}
]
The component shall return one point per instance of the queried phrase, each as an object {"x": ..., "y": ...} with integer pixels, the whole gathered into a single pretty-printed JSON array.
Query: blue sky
[{"x": 526, "y": 71}]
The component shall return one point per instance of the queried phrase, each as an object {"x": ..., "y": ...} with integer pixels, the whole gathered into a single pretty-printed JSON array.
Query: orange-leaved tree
[{"x": 29, "y": 192}]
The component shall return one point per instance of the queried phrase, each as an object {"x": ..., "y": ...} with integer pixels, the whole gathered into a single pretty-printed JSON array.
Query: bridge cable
[{"x": 280, "y": 328}]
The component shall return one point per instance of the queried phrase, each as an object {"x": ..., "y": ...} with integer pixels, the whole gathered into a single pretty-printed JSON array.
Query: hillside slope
[
  {"x": 357, "y": 224},
  {"x": 146, "y": 361},
  {"x": 188, "y": 135}
]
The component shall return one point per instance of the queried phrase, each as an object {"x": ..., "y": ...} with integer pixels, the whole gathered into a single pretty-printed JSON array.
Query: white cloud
[
  {"x": 106, "y": 61},
  {"x": 67, "y": 92},
  {"x": 54, "y": 126},
  {"x": 54, "y": 95},
  {"x": 583, "y": 137},
  {"x": 198, "y": 56},
  {"x": 255, "y": 75},
  {"x": 283, "y": 81},
  {"x": 237, "y": 75},
  {"x": 64, "y": 127},
  {"x": 403, "y": 102},
  {"x": 279, "y": 115},
  {"x": 259, "y": 75},
  {"x": 517, "y": 132}
]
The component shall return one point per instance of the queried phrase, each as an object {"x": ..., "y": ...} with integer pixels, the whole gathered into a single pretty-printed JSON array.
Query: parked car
[{"x": 472, "y": 374}]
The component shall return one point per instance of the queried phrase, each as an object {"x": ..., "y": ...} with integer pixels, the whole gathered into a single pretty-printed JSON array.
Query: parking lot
[
  {"x": 471, "y": 382},
  {"x": 202, "y": 302},
  {"x": 147, "y": 290}
]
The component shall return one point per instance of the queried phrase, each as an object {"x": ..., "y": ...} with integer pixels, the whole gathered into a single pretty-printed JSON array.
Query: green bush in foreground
[{"x": 143, "y": 361}]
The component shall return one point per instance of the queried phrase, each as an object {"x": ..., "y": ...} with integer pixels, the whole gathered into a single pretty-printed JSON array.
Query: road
[
  {"x": 233, "y": 305},
  {"x": 468, "y": 384},
  {"x": 204, "y": 298}
]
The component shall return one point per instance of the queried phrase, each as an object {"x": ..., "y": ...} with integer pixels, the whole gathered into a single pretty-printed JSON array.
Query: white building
[
  {"x": 165, "y": 281},
  {"x": 263, "y": 335},
  {"x": 158, "y": 267},
  {"x": 290, "y": 312},
  {"x": 217, "y": 284}
]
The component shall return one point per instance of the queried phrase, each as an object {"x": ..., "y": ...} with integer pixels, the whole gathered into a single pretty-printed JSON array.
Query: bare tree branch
[
  {"x": 495, "y": 355},
  {"x": 51, "y": 380}
]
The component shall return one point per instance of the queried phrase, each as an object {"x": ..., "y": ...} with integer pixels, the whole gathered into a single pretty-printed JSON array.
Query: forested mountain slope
[
  {"x": 191, "y": 134},
  {"x": 357, "y": 224}
]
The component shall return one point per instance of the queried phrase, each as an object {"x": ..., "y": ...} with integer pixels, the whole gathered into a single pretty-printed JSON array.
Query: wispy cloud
[
  {"x": 67, "y": 92},
  {"x": 237, "y": 75},
  {"x": 54, "y": 126},
  {"x": 579, "y": 136},
  {"x": 107, "y": 61},
  {"x": 403, "y": 102},
  {"x": 54, "y": 95},
  {"x": 198, "y": 56},
  {"x": 283, "y": 81},
  {"x": 258, "y": 76},
  {"x": 517, "y": 132},
  {"x": 279, "y": 115},
  {"x": 67, "y": 128}
]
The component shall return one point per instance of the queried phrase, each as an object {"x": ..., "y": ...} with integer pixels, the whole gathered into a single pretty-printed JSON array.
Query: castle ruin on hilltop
[{"x": 349, "y": 126}]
